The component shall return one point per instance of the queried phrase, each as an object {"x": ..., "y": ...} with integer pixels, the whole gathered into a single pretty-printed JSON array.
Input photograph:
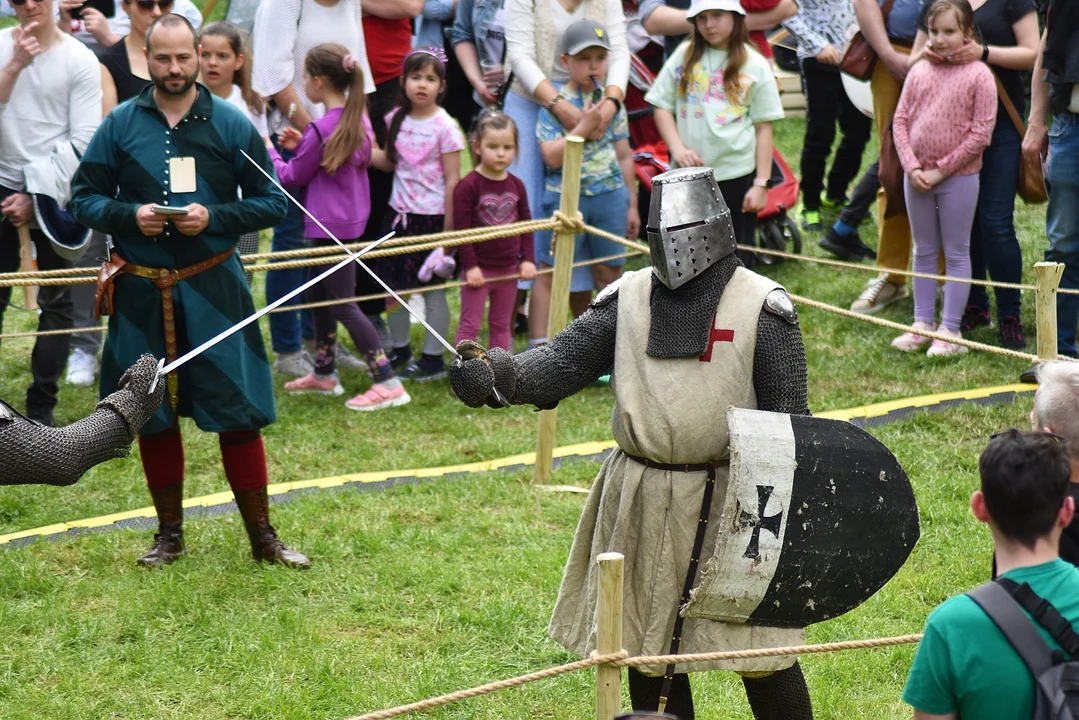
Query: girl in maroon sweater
[{"x": 490, "y": 196}]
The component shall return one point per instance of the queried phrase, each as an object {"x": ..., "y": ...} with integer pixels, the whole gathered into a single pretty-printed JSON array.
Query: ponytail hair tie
[{"x": 349, "y": 63}]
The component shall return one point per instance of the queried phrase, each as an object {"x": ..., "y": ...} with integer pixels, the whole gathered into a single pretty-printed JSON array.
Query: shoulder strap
[
  {"x": 1018, "y": 629},
  {"x": 1045, "y": 615},
  {"x": 1007, "y": 101}
]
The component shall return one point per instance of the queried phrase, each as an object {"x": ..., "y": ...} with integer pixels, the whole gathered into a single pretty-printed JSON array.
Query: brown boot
[
  {"x": 169, "y": 540},
  {"x": 254, "y": 507}
]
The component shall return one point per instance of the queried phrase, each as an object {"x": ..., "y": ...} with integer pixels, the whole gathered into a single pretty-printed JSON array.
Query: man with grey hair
[{"x": 1056, "y": 410}]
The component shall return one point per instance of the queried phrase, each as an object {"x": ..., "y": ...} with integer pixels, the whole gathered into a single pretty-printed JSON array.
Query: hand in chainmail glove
[
  {"x": 133, "y": 400},
  {"x": 477, "y": 372}
]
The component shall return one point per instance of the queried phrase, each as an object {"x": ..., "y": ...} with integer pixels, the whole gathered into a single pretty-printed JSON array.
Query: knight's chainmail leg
[
  {"x": 782, "y": 695},
  {"x": 32, "y": 453},
  {"x": 644, "y": 694}
]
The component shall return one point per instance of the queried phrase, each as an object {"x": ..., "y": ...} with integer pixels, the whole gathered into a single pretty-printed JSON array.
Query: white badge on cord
[{"x": 182, "y": 175}]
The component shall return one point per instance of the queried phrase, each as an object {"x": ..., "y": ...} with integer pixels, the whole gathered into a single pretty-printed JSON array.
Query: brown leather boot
[
  {"x": 254, "y": 507},
  {"x": 169, "y": 540}
]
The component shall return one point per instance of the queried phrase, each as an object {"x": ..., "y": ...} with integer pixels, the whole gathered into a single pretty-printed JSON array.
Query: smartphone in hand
[{"x": 168, "y": 210}]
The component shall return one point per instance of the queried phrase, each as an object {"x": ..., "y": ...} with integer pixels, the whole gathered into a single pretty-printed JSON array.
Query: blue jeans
[
  {"x": 287, "y": 329},
  {"x": 1062, "y": 222},
  {"x": 993, "y": 244},
  {"x": 608, "y": 211}
]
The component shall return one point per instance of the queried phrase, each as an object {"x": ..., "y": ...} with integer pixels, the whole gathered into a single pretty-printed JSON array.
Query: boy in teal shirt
[
  {"x": 608, "y": 198},
  {"x": 965, "y": 667}
]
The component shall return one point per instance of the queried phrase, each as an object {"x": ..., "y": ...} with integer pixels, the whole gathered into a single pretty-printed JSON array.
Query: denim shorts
[{"x": 609, "y": 212}]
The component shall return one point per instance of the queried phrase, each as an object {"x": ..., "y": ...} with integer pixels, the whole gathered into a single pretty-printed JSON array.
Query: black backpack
[{"x": 1056, "y": 677}]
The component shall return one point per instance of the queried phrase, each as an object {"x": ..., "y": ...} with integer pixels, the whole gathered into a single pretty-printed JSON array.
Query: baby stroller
[{"x": 775, "y": 228}]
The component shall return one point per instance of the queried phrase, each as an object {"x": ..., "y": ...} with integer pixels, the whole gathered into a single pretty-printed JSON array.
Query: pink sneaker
[
  {"x": 312, "y": 383},
  {"x": 941, "y": 347},
  {"x": 379, "y": 397},
  {"x": 909, "y": 342}
]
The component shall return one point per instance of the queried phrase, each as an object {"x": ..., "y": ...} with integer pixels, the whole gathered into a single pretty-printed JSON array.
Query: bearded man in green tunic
[{"x": 174, "y": 281}]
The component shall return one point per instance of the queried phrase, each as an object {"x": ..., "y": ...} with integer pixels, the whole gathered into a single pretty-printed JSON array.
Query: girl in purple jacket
[{"x": 330, "y": 160}]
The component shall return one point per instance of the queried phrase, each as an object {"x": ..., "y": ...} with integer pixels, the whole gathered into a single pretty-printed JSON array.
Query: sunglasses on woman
[{"x": 20, "y": 3}]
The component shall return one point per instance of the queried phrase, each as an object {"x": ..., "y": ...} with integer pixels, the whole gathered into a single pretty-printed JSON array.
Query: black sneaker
[
  {"x": 427, "y": 368},
  {"x": 400, "y": 359},
  {"x": 975, "y": 317},
  {"x": 520, "y": 326},
  {"x": 844, "y": 247},
  {"x": 41, "y": 415},
  {"x": 1011, "y": 333},
  {"x": 867, "y": 252}
]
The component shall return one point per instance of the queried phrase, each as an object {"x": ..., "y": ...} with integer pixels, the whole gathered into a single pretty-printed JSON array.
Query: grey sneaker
[
  {"x": 878, "y": 293},
  {"x": 295, "y": 364},
  {"x": 344, "y": 357}
]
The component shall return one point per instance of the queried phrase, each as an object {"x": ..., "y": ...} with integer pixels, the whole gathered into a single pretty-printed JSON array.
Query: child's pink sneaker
[
  {"x": 942, "y": 347},
  {"x": 312, "y": 383},
  {"x": 909, "y": 342},
  {"x": 379, "y": 397}
]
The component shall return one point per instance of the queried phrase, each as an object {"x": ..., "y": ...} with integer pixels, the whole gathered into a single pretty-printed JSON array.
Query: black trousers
[
  {"x": 49, "y": 357},
  {"x": 827, "y": 103},
  {"x": 745, "y": 224},
  {"x": 864, "y": 196}
]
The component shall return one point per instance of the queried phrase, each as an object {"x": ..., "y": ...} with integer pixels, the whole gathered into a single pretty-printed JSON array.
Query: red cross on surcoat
[{"x": 715, "y": 336}]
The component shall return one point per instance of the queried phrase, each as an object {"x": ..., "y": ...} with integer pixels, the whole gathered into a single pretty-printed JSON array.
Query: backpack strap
[
  {"x": 1006, "y": 613},
  {"x": 1045, "y": 615}
]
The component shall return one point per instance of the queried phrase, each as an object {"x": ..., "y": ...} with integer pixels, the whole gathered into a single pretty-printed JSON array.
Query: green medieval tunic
[{"x": 228, "y": 387}]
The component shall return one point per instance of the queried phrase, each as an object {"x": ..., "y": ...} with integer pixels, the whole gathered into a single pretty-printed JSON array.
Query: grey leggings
[{"x": 437, "y": 316}]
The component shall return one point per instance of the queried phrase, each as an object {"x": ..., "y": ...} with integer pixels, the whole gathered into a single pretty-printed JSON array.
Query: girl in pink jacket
[{"x": 943, "y": 124}]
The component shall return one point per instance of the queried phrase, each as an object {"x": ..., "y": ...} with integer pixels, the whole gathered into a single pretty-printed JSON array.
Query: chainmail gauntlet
[
  {"x": 35, "y": 454},
  {"x": 779, "y": 366}
]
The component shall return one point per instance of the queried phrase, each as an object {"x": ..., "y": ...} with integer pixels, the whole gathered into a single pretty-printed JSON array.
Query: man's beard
[{"x": 161, "y": 82}]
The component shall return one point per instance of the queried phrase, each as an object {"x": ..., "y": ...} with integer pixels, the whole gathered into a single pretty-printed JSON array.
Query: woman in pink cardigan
[{"x": 943, "y": 124}]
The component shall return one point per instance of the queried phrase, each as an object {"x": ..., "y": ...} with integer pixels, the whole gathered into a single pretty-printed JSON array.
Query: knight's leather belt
[
  {"x": 165, "y": 280},
  {"x": 672, "y": 467}
]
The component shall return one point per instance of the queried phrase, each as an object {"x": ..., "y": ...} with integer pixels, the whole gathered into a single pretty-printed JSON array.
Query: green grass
[{"x": 425, "y": 589}]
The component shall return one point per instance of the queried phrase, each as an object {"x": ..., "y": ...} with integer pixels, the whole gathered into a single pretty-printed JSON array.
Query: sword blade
[
  {"x": 363, "y": 265},
  {"x": 175, "y": 364}
]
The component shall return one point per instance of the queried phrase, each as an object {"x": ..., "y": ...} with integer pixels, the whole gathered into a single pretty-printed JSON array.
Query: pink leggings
[{"x": 503, "y": 294}]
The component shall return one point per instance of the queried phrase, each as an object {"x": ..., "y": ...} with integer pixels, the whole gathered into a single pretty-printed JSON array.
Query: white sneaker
[
  {"x": 81, "y": 368},
  {"x": 878, "y": 293},
  {"x": 940, "y": 347},
  {"x": 295, "y": 364}
]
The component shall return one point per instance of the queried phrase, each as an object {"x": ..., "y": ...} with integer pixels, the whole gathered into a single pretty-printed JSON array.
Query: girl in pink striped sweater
[{"x": 943, "y": 124}]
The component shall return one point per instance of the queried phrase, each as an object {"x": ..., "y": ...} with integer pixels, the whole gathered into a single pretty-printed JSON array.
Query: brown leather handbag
[
  {"x": 860, "y": 58},
  {"x": 105, "y": 277},
  {"x": 1031, "y": 181}
]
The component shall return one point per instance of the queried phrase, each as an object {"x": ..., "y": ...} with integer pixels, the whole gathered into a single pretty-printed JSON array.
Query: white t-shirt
[
  {"x": 236, "y": 98},
  {"x": 285, "y": 30},
  {"x": 56, "y": 99}
]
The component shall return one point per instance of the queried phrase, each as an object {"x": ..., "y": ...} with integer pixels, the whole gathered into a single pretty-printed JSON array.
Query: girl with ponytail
[{"x": 330, "y": 160}]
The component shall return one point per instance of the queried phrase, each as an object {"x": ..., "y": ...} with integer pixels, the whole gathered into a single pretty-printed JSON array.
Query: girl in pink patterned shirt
[{"x": 943, "y": 124}]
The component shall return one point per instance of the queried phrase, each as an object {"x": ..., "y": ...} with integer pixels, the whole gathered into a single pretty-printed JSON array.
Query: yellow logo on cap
[{"x": 599, "y": 32}]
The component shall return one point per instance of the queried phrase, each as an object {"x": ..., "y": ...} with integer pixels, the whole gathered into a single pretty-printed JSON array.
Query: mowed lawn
[{"x": 425, "y": 589}]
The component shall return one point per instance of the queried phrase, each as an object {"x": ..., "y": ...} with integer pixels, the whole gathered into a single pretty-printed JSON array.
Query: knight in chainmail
[
  {"x": 683, "y": 341},
  {"x": 32, "y": 453}
]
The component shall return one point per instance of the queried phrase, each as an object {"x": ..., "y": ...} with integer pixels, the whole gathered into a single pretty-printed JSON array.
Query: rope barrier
[
  {"x": 489, "y": 688},
  {"x": 622, "y": 659}
]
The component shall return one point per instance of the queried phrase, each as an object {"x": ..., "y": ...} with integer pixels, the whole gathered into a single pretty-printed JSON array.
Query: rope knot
[{"x": 567, "y": 224}]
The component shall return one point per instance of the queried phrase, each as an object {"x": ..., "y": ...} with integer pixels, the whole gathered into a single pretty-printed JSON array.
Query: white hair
[{"x": 1056, "y": 403}]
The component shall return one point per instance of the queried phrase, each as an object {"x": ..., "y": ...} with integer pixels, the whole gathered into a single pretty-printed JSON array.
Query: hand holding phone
[{"x": 168, "y": 210}]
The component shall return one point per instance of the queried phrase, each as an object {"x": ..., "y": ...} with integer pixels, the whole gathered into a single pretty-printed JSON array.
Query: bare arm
[
  {"x": 8, "y": 75},
  {"x": 1036, "y": 141},
  {"x": 667, "y": 21},
  {"x": 1021, "y": 56},
  {"x": 469, "y": 61},
  {"x": 871, "y": 23},
  {"x": 392, "y": 9},
  {"x": 770, "y": 18},
  {"x": 284, "y": 100},
  {"x": 108, "y": 92}
]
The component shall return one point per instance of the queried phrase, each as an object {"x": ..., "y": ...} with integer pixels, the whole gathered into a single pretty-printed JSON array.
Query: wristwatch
[
  {"x": 985, "y": 53},
  {"x": 761, "y": 182}
]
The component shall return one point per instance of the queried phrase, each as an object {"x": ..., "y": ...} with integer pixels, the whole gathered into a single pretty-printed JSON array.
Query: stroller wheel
[
  {"x": 790, "y": 231},
  {"x": 771, "y": 238}
]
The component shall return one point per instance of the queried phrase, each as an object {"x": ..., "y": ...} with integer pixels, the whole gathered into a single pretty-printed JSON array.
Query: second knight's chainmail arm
[
  {"x": 779, "y": 366},
  {"x": 35, "y": 454},
  {"x": 570, "y": 362}
]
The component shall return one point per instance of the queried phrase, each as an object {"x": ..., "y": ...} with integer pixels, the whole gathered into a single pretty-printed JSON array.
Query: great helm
[{"x": 689, "y": 225}]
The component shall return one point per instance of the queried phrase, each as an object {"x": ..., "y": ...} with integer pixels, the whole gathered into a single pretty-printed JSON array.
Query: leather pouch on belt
[{"x": 105, "y": 279}]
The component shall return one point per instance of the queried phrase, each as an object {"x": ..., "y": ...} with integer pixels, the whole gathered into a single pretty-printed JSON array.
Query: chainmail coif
[
  {"x": 682, "y": 319},
  {"x": 31, "y": 453}
]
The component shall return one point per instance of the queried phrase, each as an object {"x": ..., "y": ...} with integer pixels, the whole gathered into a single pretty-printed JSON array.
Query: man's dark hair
[
  {"x": 172, "y": 20},
  {"x": 1025, "y": 480}
]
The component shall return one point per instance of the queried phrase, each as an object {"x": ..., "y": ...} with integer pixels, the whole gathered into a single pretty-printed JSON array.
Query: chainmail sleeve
[
  {"x": 779, "y": 366},
  {"x": 35, "y": 454},
  {"x": 570, "y": 362}
]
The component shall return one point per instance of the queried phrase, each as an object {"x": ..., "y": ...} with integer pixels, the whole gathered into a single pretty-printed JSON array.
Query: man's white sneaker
[
  {"x": 878, "y": 293},
  {"x": 81, "y": 368}
]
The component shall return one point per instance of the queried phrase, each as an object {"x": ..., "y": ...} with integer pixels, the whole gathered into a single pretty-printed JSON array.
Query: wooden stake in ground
[
  {"x": 564, "y": 242},
  {"x": 609, "y": 635},
  {"x": 1048, "y": 275},
  {"x": 26, "y": 264}
]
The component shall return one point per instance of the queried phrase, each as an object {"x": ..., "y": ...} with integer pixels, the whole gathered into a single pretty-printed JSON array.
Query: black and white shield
[{"x": 818, "y": 516}]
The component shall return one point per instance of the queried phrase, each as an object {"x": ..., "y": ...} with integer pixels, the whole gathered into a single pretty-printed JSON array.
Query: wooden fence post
[
  {"x": 563, "y": 268},
  {"x": 609, "y": 635},
  {"x": 26, "y": 264},
  {"x": 1048, "y": 275}
]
